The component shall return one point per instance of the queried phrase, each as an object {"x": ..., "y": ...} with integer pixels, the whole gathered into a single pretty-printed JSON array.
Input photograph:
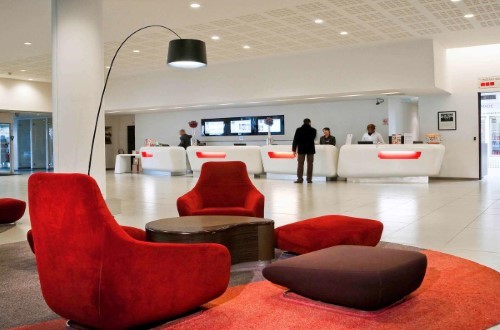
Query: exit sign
[{"x": 489, "y": 82}]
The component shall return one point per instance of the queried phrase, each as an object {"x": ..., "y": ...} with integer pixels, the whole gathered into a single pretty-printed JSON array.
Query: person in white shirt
[{"x": 371, "y": 135}]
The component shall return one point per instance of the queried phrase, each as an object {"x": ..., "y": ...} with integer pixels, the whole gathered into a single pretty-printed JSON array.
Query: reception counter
[
  {"x": 390, "y": 161},
  {"x": 279, "y": 159},
  {"x": 250, "y": 155},
  {"x": 164, "y": 159}
]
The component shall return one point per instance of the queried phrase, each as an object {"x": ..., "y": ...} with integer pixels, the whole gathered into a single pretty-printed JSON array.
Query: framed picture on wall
[
  {"x": 447, "y": 120},
  {"x": 108, "y": 134}
]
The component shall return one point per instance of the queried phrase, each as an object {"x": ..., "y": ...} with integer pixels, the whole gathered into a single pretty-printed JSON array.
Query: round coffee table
[{"x": 247, "y": 238}]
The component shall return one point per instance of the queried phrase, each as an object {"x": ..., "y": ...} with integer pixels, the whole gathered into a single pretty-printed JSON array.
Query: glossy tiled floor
[{"x": 457, "y": 217}]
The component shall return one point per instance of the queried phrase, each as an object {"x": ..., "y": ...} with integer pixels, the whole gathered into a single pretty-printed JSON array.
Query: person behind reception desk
[
  {"x": 371, "y": 135},
  {"x": 185, "y": 139},
  {"x": 327, "y": 138},
  {"x": 303, "y": 144}
]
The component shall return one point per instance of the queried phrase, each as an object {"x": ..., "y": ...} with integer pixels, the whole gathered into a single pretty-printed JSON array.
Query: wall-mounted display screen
[{"x": 242, "y": 126}]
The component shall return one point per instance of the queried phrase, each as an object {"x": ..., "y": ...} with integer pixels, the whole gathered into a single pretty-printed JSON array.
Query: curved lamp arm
[{"x": 106, "y": 83}]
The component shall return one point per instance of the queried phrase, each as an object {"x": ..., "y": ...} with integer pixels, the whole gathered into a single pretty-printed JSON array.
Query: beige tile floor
[{"x": 457, "y": 217}]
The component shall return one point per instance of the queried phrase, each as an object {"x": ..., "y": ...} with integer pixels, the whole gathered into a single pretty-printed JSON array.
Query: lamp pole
[{"x": 184, "y": 52}]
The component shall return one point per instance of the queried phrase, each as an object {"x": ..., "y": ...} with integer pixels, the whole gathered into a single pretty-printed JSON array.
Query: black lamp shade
[{"x": 187, "y": 53}]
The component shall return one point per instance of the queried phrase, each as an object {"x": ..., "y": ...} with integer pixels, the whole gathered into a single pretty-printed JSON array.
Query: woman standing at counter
[{"x": 371, "y": 135}]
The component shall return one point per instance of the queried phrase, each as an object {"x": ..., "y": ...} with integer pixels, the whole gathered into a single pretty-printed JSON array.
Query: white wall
[
  {"x": 342, "y": 118},
  {"x": 396, "y": 66},
  {"x": 403, "y": 116},
  {"x": 119, "y": 136},
  {"x": 464, "y": 66},
  {"x": 21, "y": 95}
]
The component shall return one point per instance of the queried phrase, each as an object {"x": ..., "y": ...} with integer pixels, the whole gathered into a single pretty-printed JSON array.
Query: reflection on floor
[{"x": 457, "y": 217}]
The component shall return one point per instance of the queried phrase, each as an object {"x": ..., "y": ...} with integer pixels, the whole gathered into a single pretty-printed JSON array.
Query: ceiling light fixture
[
  {"x": 195, "y": 5},
  {"x": 318, "y": 21},
  {"x": 351, "y": 95},
  {"x": 28, "y": 43},
  {"x": 246, "y": 46},
  {"x": 136, "y": 51},
  {"x": 469, "y": 15},
  {"x": 391, "y": 93},
  {"x": 344, "y": 33},
  {"x": 315, "y": 98},
  {"x": 215, "y": 37},
  {"x": 182, "y": 54},
  {"x": 30, "y": 79},
  {"x": 22, "y": 70},
  {"x": 456, "y": 0}
]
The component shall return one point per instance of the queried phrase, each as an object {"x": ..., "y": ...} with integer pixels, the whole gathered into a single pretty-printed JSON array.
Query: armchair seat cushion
[
  {"x": 11, "y": 210},
  {"x": 224, "y": 211}
]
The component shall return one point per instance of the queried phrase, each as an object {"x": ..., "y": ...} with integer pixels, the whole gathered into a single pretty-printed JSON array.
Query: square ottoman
[
  {"x": 329, "y": 230},
  {"x": 360, "y": 277}
]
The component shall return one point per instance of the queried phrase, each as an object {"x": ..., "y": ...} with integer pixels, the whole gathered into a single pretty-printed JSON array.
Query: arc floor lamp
[{"x": 182, "y": 53}]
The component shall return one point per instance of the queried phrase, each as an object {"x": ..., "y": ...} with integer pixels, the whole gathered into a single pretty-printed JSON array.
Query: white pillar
[{"x": 77, "y": 80}]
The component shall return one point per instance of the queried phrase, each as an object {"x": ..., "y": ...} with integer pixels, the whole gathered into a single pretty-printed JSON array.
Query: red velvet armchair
[
  {"x": 95, "y": 274},
  {"x": 224, "y": 188}
]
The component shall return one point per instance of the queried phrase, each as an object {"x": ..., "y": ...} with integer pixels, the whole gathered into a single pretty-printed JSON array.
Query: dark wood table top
[{"x": 203, "y": 223}]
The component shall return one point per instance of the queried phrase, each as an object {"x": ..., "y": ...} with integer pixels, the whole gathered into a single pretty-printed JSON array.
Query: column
[{"x": 77, "y": 80}]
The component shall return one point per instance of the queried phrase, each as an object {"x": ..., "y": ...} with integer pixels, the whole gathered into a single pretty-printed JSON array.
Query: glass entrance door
[{"x": 5, "y": 147}]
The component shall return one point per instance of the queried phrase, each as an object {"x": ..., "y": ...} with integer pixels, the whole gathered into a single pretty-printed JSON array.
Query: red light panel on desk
[
  {"x": 210, "y": 154},
  {"x": 145, "y": 154},
  {"x": 399, "y": 154},
  {"x": 280, "y": 154}
]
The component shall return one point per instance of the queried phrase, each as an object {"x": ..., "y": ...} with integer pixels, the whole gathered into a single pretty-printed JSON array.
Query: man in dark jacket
[
  {"x": 185, "y": 139},
  {"x": 303, "y": 145}
]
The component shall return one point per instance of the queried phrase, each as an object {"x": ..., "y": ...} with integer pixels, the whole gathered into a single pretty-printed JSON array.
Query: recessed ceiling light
[
  {"x": 195, "y": 5},
  {"x": 344, "y": 33},
  {"x": 22, "y": 70},
  {"x": 107, "y": 66},
  {"x": 456, "y": 0},
  {"x": 215, "y": 37},
  {"x": 316, "y": 98},
  {"x": 225, "y": 103},
  {"x": 27, "y": 43},
  {"x": 254, "y": 102},
  {"x": 246, "y": 46},
  {"x": 153, "y": 109},
  {"x": 30, "y": 79},
  {"x": 136, "y": 51},
  {"x": 469, "y": 15},
  {"x": 318, "y": 21},
  {"x": 352, "y": 95},
  {"x": 391, "y": 93}
]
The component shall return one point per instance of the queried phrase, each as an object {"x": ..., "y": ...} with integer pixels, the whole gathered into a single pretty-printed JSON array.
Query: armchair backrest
[
  {"x": 70, "y": 222},
  {"x": 224, "y": 184}
]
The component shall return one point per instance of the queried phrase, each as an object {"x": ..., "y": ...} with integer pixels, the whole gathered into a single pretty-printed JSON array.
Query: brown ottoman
[
  {"x": 361, "y": 277},
  {"x": 11, "y": 210},
  {"x": 329, "y": 230}
]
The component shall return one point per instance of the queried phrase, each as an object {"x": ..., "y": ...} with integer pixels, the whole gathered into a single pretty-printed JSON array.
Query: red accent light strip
[
  {"x": 145, "y": 154},
  {"x": 399, "y": 154},
  {"x": 280, "y": 154},
  {"x": 210, "y": 154}
]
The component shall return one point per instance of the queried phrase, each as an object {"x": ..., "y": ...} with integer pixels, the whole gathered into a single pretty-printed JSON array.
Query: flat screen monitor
[
  {"x": 213, "y": 128},
  {"x": 365, "y": 142},
  {"x": 275, "y": 127},
  {"x": 243, "y": 126}
]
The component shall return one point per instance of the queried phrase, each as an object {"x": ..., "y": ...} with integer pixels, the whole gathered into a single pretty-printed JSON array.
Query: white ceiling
[{"x": 271, "y": 28}]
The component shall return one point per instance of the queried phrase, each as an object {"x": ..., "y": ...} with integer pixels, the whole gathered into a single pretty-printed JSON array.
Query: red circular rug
[{"x": 456, "y": 294}]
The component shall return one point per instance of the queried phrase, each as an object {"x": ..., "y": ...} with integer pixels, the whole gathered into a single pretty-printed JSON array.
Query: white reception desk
[
  {"x": 390, "y": 161},
  {"x": 123, "y": 163},
  {"x": 164, "y": 159},
  {"x": 279, "y": 159},
  {"x": 250, "y": 155}
]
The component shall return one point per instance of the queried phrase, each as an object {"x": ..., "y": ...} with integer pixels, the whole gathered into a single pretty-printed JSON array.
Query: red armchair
[
  {"x": 223, "y": 188},
  {"x": 94, "y": 273}
]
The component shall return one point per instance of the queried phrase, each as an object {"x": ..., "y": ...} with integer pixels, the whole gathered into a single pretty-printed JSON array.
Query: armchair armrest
[
  {"x": 169, "y": 278},
  {"x": 255, "y": 201},
  {"x": 188, "y": 203}
]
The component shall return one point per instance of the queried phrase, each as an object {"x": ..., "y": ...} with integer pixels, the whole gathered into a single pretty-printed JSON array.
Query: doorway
[
  {"x": 34, "y": 136},
  {"x": 489, "y": 112},
  {"x": 5, "y": 148}
]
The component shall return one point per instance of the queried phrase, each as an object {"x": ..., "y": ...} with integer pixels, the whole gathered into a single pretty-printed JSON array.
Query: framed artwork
[
  {"x": 447, "y": 120},
  {"x": 108, "y": 134}
]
